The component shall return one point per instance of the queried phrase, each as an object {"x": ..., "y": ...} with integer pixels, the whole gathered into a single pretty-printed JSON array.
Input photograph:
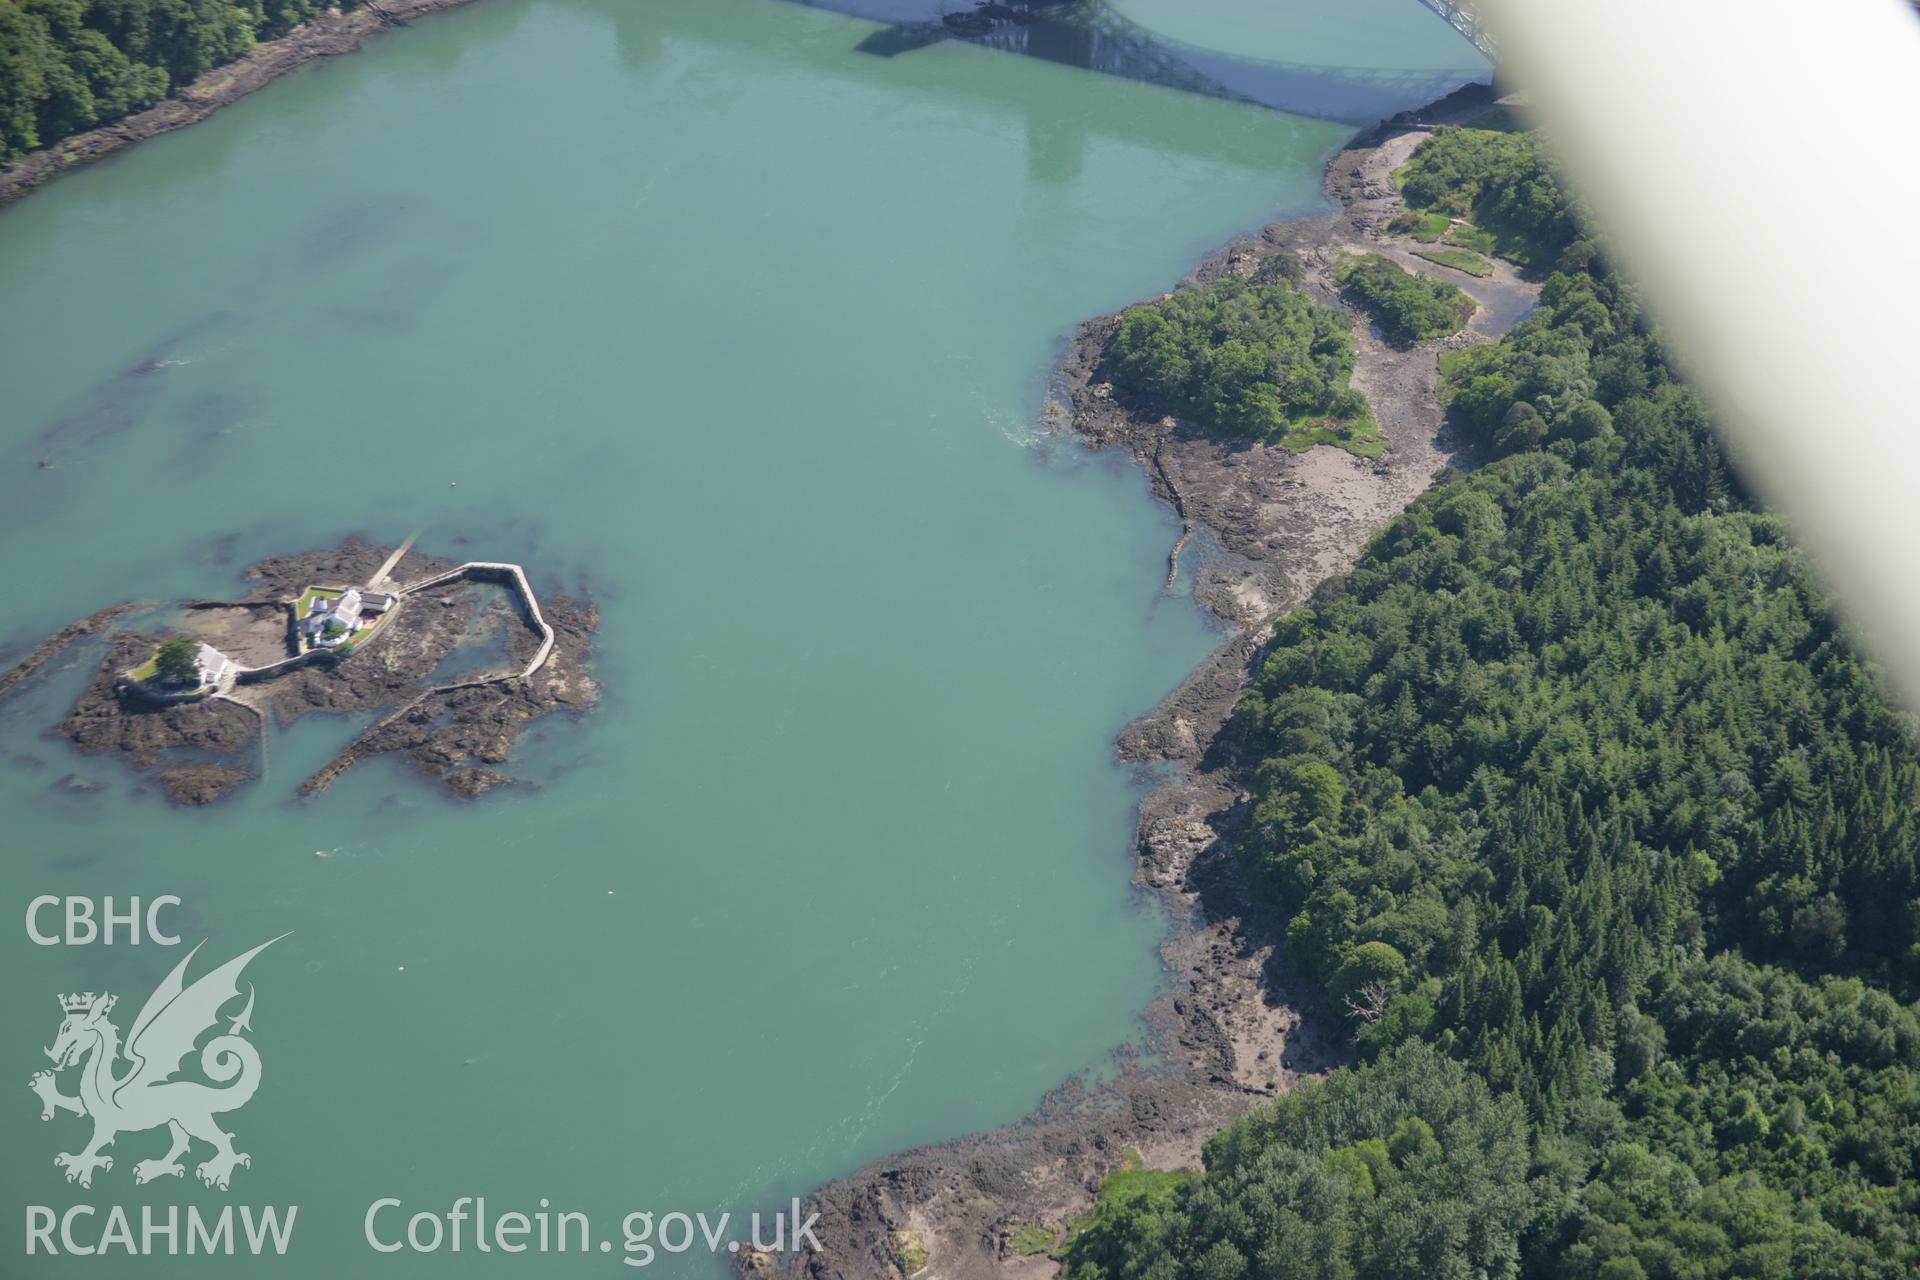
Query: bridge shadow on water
[
  {"x": 1093, "y": 36},
  {"x": 1086, "y": 34}
]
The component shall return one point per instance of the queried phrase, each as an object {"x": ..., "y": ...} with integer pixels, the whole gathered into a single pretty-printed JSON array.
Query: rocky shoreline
[
  {"x": 201, "y": 751},
  {"x": 1235, "y": 1024},
  {"x": 328, "y": 35}
]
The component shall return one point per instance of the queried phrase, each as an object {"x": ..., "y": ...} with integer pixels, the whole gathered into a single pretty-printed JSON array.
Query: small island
[{"x": 456, "y": 657}]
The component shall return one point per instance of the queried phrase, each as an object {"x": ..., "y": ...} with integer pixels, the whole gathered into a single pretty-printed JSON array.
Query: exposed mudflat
[
  {"x": 1263, "y": 527},
  {"x": 200, "y": 751}
]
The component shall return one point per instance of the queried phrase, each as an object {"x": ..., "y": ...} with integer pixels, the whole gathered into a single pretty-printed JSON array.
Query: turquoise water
[{"x": 746, "y": 334}]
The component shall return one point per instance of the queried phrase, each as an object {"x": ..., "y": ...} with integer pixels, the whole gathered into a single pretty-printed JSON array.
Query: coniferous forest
[{"x": 1599, "y": 831}]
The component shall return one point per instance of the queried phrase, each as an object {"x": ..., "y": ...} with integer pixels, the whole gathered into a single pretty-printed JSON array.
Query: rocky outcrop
[{"x": 203, "y": 749}]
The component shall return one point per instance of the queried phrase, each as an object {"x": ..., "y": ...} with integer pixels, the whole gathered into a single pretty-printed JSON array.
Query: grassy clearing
[
  {"x": 1128, "y": 1194},
  {"x": 1358, "y": 435},
  {"x": 148, "y": 670},
  {"x": 1459, "y": 259},
  {"x": 1427, "y": 228},
  {"x": 1467, "y": 236},
  {"x": 307, "y": 597},
  {"x": 909, "y": 1252},
  {"x": 1033, "y": 1239}
]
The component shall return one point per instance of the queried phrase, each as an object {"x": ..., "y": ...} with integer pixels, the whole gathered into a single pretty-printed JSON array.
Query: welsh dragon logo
[{"x": 145, "y": 1095}]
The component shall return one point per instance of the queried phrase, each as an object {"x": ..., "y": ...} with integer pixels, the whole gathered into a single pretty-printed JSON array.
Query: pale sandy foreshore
[
  {"x": 1235, "y": 1025},
  {"x": 326, "y": 36}
]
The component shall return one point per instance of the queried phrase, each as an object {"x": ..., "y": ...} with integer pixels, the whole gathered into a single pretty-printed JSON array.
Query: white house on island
[
  {"x": 214, "y": 665},
  {"x": 332, "y": 619}
]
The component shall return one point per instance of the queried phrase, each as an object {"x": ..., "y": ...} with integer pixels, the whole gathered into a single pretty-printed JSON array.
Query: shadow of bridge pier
[{"x": 1094, "y": 36}]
